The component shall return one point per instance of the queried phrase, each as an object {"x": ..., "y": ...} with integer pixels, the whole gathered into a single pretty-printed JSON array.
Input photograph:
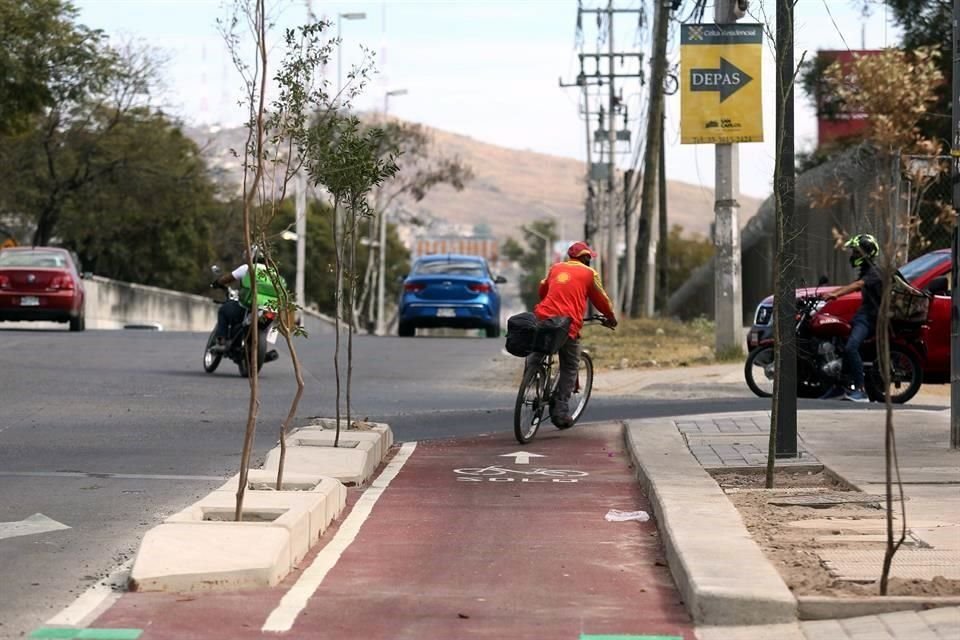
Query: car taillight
[
  {"x": 62, "y": 282},
  {"x": 414, "y": 287},
  {"x": 269, "y": 315},
  {"x": 4, "y": 282},
  {"x": 480, "y": 287}
]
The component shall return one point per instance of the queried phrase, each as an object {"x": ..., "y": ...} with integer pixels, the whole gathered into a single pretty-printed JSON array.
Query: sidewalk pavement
[
  {"x": 714, "y": 380},
  {"x": 848, "y": 442}
]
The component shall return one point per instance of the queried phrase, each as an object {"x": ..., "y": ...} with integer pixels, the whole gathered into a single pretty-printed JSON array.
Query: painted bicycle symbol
[{"x": 494, "y": 471}]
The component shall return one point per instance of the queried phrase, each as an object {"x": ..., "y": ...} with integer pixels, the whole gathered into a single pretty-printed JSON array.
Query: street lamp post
[
  {"x": 358, "y": 15},
  {"x": 337, "y": 214},
  {"x": 382, "y": 271}
]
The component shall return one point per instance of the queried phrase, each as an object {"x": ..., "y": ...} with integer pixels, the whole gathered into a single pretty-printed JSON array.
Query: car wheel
[
  {"x": 78, "y": 323},
  {"x": 493, "y": 331},
  {"x": 407, "y": 331}
]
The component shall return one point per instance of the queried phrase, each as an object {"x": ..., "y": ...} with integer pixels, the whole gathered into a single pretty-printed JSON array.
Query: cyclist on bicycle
[{"x": 564, "y": 292}]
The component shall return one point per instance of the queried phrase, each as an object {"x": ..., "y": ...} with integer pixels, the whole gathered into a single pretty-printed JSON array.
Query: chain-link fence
[{"x": 834, "y": 200}]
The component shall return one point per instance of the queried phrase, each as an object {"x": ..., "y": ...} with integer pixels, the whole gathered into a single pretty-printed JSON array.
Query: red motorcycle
[{"x": 820, "y": 343}]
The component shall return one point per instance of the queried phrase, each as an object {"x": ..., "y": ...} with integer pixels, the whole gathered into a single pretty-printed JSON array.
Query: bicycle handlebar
[{"x": 596, "y": 318}]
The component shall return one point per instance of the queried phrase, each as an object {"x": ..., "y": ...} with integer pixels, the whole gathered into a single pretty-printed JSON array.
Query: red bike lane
[{"x": 469, "y": 540}]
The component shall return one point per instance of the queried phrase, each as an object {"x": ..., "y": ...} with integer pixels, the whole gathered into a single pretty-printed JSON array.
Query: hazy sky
[{"x": 483, "y": 68}]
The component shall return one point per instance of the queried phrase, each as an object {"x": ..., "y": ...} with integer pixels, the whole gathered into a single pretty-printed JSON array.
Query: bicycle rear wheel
[
  {"x": 581, "y": 392},
  {"x": 528, "y": 411}
]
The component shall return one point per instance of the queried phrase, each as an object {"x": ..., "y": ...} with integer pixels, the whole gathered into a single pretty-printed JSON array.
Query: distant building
[
  {"x": 486, "y": 246},
  {"x": 836, "y": 122}
]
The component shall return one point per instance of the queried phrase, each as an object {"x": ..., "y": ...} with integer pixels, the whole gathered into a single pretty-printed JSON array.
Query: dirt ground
[{"x": 793, "y": 550}]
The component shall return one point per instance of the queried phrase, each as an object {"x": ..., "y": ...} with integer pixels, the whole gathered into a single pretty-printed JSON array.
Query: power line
[{"x": 835, "y": 25}]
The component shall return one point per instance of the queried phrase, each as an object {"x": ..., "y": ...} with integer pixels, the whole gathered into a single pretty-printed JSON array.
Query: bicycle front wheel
[
  {"x": 528, "y": 411},
  {"x": 581, "y": 391}
]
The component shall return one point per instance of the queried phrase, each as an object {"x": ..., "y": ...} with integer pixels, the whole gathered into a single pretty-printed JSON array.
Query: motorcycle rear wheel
[
  {"x": 906, "y": 376},
  {"x": 760, "y": 361},
  {"x": 261, "y": 355},
  {"x": 211, "y": 360}
]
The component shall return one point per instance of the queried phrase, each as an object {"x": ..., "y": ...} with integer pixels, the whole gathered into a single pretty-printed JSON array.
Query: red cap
[{"x": 578, "y": 249}]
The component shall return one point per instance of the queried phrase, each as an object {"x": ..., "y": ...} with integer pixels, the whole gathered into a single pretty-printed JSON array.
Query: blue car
[{"x": 450, "y": 291}]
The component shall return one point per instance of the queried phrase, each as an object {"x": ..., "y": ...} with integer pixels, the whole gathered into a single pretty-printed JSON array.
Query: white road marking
[
  {"x": 37, "y": 523},
  {"x": 95, "y": 600},
  {"x": 522, "y": 457},
  {"x": 295, "y": 600}
]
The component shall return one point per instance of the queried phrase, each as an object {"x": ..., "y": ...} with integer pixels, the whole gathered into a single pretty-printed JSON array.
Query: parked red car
[
  {"x": 41, "y": 283},
  {"x": 929, "y": 272}
]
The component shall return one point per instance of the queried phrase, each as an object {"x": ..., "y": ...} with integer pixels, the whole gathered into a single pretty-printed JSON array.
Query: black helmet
[{"x": 864, "y": 247}]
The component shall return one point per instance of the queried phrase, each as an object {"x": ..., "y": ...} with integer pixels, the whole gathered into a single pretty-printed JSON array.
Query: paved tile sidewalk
[
  {"x": 851, "y": 444},
  {"x": 935, "y": 624},
  {"x": 740, "y": 441}
]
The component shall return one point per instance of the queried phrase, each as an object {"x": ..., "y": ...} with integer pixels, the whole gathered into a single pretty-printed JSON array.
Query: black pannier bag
[
  {"x": 521, "y": 333},
  {"x": 551, "y": 334},
  {"x": 526, "y": 334}
]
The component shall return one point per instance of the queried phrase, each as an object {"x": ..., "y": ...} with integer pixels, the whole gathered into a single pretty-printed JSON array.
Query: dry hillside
[{"x": 507, "y": 187}]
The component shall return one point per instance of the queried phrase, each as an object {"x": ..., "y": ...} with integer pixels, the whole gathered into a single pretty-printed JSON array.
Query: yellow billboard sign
[{"x": 720, "y": 83}]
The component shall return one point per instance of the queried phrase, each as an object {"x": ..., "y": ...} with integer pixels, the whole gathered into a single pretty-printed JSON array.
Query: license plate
[
  {"x": 29, "y": 301},
  {"x": 272, "y": 335},
  {"x": 446, "y": 313}
]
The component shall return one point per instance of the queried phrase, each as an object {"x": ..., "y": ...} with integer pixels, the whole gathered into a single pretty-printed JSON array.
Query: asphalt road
[{"x": 108, "y": 432}]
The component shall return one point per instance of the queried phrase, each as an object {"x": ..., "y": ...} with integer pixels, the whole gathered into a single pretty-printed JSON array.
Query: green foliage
[
  {"x": 46, "y": 60},
  {"x": 320, "y": 268},
  {"x": 530, "y": 257},
  {"x": 150, "y": 217},
  {"x": 687, "y": 253}
]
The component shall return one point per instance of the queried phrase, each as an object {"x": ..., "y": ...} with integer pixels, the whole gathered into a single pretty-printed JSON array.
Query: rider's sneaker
[
  {"x": 219, "y": 347},
  {"x": 834, "y": 393},
  {"x": 562, "y": 422},
  {"x": 271, "y": 355},
  {"x": 856, "y": 396}
]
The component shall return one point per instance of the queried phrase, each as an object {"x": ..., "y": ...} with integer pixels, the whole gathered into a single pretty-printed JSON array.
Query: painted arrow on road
[
  {"x": 521, "y": 457},
  {"x": 726, "y": 80},
  {"x": 37, "y": 523}
]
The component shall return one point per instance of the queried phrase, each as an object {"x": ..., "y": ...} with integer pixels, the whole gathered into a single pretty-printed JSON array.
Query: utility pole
[
  {"x": 728, "y": 305},
  {"x": 612, "y": 272},
  {"x": 604, "y": 208},
  {"x": 646, "y": 265},
  {"x": 784, "y": 422},
  {"x": 955, "y": 272},
  {"x": 663, "y": 268}
]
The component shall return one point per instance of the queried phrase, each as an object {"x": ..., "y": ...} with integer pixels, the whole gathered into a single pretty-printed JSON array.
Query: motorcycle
[
  {"x": 820, "y": 341},
  {"x": 238, "y": 345}
]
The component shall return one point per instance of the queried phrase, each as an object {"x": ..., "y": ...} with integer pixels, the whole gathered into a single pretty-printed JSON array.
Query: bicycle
[{"x": 533, "y": 400}]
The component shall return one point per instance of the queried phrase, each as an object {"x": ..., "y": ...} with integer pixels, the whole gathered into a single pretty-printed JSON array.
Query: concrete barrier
[{"x": 111, "y": 304}]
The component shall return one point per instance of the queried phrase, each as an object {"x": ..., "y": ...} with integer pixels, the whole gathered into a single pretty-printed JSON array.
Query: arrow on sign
[
  {"x": 726, "y": 80},
  {"x": 521, "y": 457},
  {"x": 37, "y": 523}
]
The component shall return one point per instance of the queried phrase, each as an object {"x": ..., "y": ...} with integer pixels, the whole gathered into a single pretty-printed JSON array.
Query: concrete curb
[
  {"x": 176, "y": 556},
  {"x": 722, "y": 573},
  {"x": 188, "y": 552},
  {"x": 828, "y": 608}
]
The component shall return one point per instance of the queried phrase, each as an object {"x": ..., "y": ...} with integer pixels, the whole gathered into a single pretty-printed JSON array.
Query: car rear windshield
[
  {"x": 916, "y": 268},
  {"x": 452, "y": 268},
  {"x": 37, "y": 259}
]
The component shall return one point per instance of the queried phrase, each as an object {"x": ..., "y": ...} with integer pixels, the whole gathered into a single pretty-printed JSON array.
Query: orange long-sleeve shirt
[{"x": 565, "y": 290}]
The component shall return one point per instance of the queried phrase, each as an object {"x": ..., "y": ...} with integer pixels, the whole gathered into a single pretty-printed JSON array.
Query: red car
[
  {"x": 930, "y": 272},
  {"x": 41, "y": 283}
]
